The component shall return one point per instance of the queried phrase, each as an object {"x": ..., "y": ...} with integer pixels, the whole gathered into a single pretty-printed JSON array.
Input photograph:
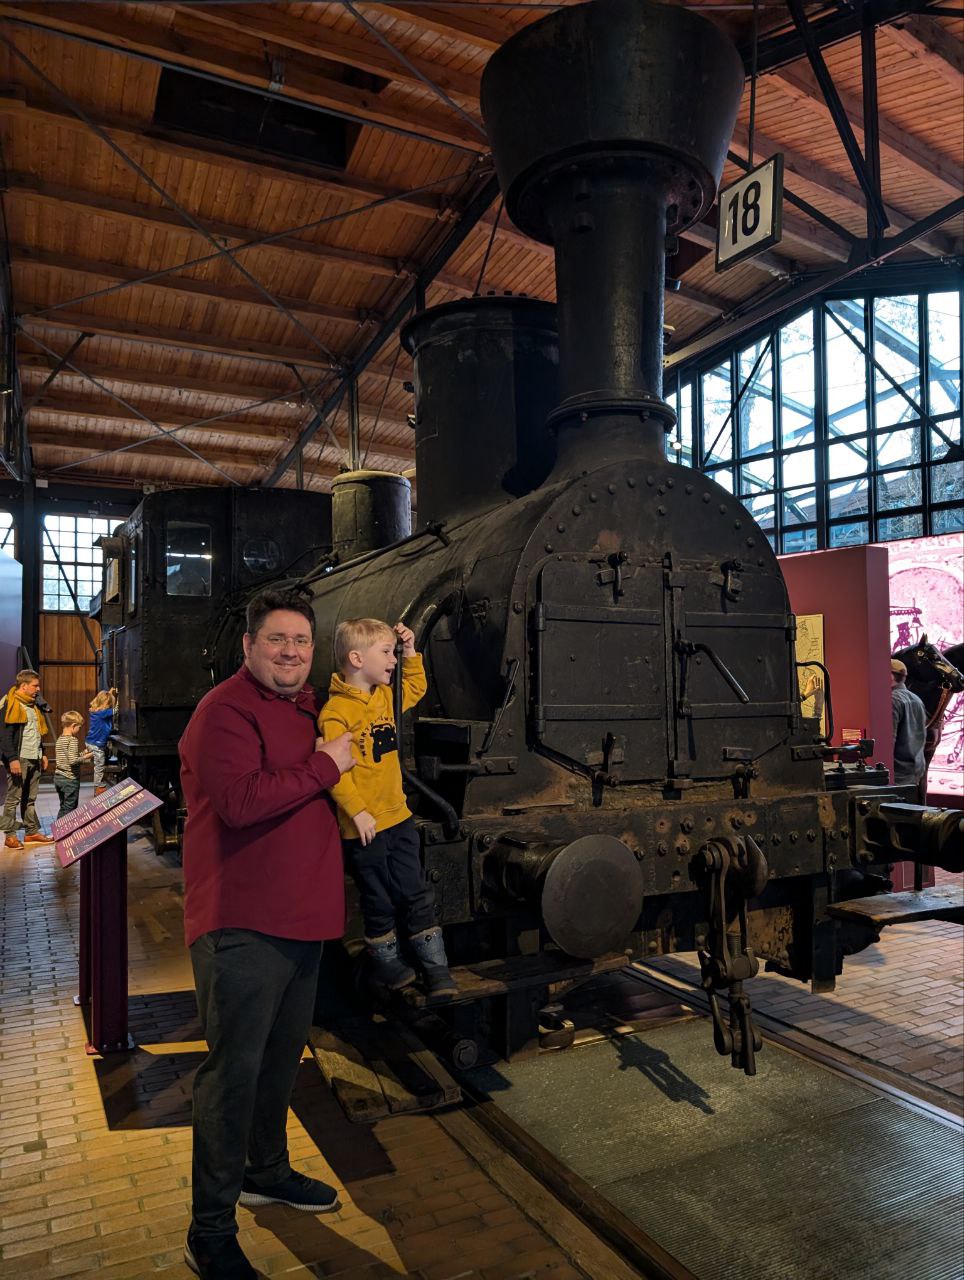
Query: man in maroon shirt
[{"x": 263, "y": 888}]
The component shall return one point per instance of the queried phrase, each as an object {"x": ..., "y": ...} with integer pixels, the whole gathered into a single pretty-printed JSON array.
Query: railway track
[{"x": 823, "y": 1167}]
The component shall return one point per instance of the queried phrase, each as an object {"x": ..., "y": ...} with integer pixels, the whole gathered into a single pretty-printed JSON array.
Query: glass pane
[
  {"x": 756, "y": 405},
  {"x": 944, "y": 351},
  {"x": 846, "y": 368},
  {"x": 762, "y": 507},
  {"x": 798, "y": 468},
  {"x": 757, "y": 475},
  {"x": 896, "y": 489},
  {"x": 898, "y": 448},
  {"x": 799, "y": 540},
  {"x": 947, "y": 482},
  {"x": 724, "y": 477},
  {"x": 900, "y": 527},
  {"x": 717, "y": 416},
  {"x": 847, "y": 459},
  {"x": 944, "y": 436},
  {"x": 797, "y": 382},
  {"x": 896, "y": 349},
  {"x": 848, "y": 498},
  {"x": 949, "y": 521},
  {"x": 799, "y": 506},
  {"x": 849, "y": 535},
  {"x": 684, "y": 430},
  {"x": 188, "y": 559}
]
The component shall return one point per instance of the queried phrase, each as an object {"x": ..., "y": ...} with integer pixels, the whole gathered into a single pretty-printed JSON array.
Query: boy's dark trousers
[
  {"x": 391, "y": 882},
  {"x": 255, "y": 997},
  {"x": 69, "y": 791}
]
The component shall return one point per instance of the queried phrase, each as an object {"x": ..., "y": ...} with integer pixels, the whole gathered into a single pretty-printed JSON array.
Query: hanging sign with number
[{"x": 750, "y": 214}]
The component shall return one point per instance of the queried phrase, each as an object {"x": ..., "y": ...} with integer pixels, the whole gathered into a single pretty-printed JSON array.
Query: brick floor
[{"x": 95, "y": 1153}]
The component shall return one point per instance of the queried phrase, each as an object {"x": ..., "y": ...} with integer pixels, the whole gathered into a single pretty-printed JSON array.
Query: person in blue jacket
[{"x": 101, "y": 725}]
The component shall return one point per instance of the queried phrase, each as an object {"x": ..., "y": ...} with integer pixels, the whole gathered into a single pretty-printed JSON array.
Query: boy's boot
[
  {"x": 388, "y": 967},
  {"x": 430, "y": 953}
]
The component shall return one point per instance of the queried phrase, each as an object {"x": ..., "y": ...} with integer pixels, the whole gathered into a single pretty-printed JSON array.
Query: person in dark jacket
[
  {"x": 23, "y": 727},
  {"x": 263, "y": 889},
  {"x": 910, "y": 731}
]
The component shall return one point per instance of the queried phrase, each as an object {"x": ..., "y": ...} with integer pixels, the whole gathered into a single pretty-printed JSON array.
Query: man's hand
[
  {"x": 340, "y": 751},
  {"x": 407, "y": 637},
  {"x": 14, "y": 767},
  {"x": 365, "y": 826}
]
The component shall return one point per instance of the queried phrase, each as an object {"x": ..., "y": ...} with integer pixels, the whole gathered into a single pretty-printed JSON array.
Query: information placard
[
  {"x": 751, "y": 212},
  {"x": 106, "y": 815}
]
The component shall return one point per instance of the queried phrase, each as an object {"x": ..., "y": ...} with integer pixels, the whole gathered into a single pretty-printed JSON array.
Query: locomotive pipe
[{"x": 450, "y": 819}]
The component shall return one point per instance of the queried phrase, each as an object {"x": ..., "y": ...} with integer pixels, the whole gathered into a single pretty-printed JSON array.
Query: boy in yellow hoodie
[{"x": 380, "y": 839}]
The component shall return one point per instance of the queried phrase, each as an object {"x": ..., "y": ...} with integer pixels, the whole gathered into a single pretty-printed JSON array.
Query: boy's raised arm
[{"x": 414, "y": 683}]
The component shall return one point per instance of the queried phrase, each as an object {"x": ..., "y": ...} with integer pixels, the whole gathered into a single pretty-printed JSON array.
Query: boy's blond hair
[
  {"x": 71, "y": 717},
  {"x": 106, "y": 698},
  {"x": 358, "y": 633}
]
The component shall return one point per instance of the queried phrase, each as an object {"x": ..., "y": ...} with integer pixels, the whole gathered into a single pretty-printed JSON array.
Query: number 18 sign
[{"x": 750, "y": 214}]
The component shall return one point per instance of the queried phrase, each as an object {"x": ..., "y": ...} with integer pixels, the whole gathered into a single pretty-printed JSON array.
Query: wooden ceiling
[{"x": 99, "y": 193}]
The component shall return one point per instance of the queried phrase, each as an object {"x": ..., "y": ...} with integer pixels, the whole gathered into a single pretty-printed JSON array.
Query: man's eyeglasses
[{"x": 279, "y": 642}]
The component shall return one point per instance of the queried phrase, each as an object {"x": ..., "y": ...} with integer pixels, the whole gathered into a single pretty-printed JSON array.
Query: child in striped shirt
[{"x": 69, "y": 759}]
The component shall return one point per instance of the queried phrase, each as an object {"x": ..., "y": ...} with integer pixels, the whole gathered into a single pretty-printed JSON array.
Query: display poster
[
  {"x": 927, "y": 598},
  {"x": 809, "y": 649},
  {"x": 106, "y": 815}
]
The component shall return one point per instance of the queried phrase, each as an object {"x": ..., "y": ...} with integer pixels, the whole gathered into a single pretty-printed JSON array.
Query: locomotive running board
[
  {"x": 941, "y": 902},
  {"x": 499, "y": 977}
]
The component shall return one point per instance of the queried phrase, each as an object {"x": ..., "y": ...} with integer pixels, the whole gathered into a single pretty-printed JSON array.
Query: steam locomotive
[{"x": 610, "y": 761}]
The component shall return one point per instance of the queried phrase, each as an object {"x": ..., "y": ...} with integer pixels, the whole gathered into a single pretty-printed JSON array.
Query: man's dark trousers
[{"x": 256, "y": 996}]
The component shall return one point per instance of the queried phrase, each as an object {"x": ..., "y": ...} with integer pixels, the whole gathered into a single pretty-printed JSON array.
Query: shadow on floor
[{"x": 352, "y": 1150}]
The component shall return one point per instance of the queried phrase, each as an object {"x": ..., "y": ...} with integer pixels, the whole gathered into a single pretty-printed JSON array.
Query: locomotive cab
[{"x": 177, "y": 575}]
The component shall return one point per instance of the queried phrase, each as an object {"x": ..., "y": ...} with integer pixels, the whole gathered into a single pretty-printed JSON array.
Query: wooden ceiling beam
[
  {"x": 800, "y": 85},
  {"x": 27, "y": 186},
  {"x": 824, "y": 179},
  {"x": 301, "y": 83},
  {"x": 160, "y": 447},
  {"x": 350, "y": 48},
  {"x": 272, "y": 432},
  {"x": 15, "y": 102},
  {"x": 34, "y": 365},
  {"x": 165, "y": 335},
  {"x": 184, "y": 286},
  {"x": 933, "y": 46},
  {"x": 455, "y": 24}
]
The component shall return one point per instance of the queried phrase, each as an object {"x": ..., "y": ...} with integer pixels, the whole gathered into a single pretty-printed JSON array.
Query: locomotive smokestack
[{"x": 609, "y": 125}]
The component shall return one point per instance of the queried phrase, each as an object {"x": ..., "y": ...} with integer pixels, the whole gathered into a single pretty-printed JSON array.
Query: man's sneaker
[
  {"x": 217, "y": 1258},
  {"x": 298, "y": 1190},
  {"x": 12, "y": 842},
  {"x": 38, "y": 837}
]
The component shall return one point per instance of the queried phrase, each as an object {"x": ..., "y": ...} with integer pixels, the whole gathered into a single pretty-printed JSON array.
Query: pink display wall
[
  {"x": 927, "y": 598},
  {"x": 849, "y": 588}
]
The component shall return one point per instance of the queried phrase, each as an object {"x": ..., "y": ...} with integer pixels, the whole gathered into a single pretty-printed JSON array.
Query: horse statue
[{"x": 935, "y": 677}]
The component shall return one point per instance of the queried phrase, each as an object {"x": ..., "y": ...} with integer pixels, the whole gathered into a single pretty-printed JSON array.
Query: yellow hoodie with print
[{"x": 375, "y": 783}]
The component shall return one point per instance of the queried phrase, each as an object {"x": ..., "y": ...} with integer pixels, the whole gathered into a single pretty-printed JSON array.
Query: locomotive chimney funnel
[{"x": 609, "y": 124}]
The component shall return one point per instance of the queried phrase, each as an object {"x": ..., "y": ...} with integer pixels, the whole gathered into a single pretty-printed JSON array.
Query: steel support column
[
  {"x": 837, "y": 112},
  {"x": 868, "y": 75},
  {"x": 354, "y": 426}
]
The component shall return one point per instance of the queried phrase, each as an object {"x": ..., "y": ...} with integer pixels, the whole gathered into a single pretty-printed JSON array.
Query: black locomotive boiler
[{"x": 610, "y": 760}]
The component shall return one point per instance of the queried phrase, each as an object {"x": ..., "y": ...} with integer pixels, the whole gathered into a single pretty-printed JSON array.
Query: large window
[
  {"x": 7, "y": 536},
  {"x": 840, "y": 426},
  {"x": 69, "y": 555}
]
